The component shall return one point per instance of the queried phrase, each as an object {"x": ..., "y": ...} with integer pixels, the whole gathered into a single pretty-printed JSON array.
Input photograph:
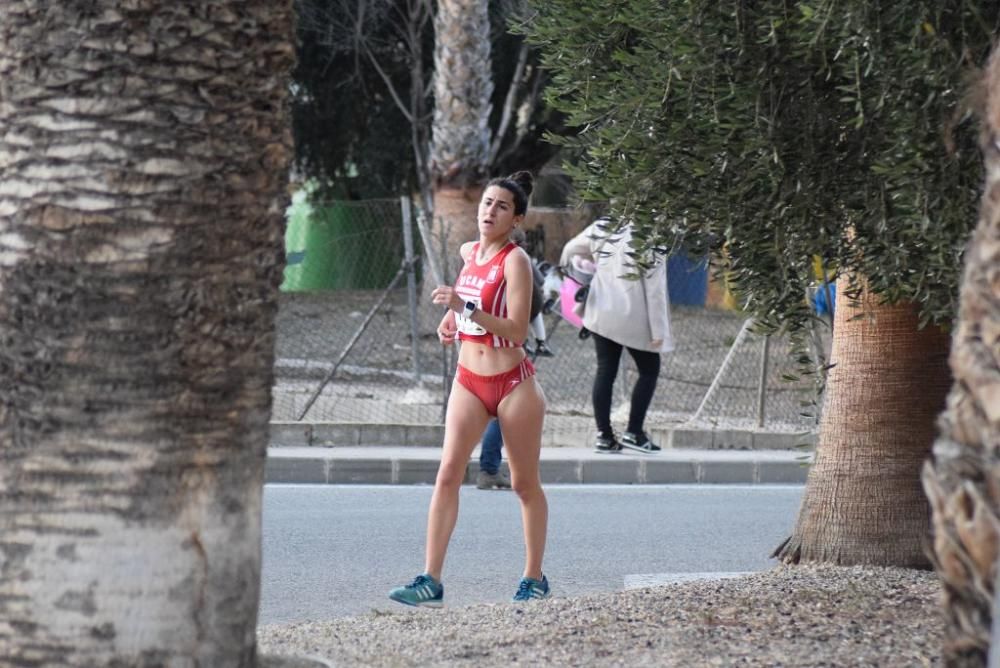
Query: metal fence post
[
  {"x": 762, "y": 383},
  {"x": 427, "y": 238},
  {"x": 411, "y": 285}
]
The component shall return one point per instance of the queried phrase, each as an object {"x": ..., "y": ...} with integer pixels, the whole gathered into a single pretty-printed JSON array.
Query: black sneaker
[
  {"x": 542, "y": 349},
  {"x": 639, "y": 442},
  {"x": 607, "y": 445}
]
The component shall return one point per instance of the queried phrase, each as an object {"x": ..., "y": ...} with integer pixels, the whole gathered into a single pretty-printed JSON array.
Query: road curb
[
  {"x": 415, "y": 465},
  {"x": 678, "y": 437}
]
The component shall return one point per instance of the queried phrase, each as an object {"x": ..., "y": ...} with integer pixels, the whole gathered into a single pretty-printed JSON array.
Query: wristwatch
[{"x": 470, "y": 308}]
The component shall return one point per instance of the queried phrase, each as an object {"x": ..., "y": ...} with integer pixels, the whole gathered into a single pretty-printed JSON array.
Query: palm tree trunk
[
  {"x": 863, "y": 502},
  {"x": 455, "y": 211},
  {"x": 463, "y": 87},
  {"x": 143, "y": 161},
  {"x": 963, "y": 478}
]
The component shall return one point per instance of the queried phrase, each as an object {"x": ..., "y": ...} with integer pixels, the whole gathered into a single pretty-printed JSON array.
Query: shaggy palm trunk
[
  {"x": 963, "y": 479},
  {"x": 463, "y": 86},
  {"x": 143, "y": 163},
  {"x": 863, "y": 503}
]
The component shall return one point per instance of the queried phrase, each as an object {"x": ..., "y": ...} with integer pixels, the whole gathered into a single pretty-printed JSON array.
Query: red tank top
[{"x": 486, "y": 286}]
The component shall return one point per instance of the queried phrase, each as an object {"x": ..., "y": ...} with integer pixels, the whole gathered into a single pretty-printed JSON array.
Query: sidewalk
[
  {"x": 401, "y": 454},
  {"x": 415, "y": 465}
]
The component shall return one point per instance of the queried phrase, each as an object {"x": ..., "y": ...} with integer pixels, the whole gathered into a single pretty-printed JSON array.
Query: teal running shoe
[
  {"x": 424, "y": 591},
  {"x": 531, "y": 588}
]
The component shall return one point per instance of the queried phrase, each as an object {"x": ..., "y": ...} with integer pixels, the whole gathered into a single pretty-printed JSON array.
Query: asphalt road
[{"x": 333, "y": 551}]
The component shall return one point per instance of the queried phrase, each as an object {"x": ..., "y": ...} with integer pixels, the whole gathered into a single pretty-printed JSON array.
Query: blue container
[
  {"x": 819, "y": 299},
  {"x": 687, "y": 279}
]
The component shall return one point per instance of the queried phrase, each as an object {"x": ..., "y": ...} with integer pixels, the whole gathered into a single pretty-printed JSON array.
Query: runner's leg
[
  {"x": 521, "y": 414},
  {"x": 465, "y": 420}
]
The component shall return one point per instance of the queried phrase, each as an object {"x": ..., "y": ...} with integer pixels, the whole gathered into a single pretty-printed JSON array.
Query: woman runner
[{"x": 488, "y": 311}]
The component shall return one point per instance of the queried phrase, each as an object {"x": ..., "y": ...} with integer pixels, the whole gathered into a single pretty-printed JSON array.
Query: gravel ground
[{"x": 788, "y": 616}]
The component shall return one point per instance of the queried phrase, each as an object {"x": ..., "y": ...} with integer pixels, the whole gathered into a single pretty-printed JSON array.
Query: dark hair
[{"x": 520, "y": 184}]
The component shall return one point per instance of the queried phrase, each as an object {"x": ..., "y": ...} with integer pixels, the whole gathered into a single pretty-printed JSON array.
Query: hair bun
[{"x": 525, "y": 180}]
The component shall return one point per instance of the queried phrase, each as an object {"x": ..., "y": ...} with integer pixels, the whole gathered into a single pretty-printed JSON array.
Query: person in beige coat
[{"x": 633, "y": 314}]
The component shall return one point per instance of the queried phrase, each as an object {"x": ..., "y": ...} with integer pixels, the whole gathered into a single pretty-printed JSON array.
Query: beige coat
[{"x": 634, "y": 313}]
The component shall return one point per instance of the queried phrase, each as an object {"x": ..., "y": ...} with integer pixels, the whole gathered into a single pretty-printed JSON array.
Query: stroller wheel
[{"x": 584, "y": 333}]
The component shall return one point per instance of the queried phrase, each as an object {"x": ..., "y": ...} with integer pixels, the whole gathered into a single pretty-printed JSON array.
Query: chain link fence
[{"x": 356, "y": 343}]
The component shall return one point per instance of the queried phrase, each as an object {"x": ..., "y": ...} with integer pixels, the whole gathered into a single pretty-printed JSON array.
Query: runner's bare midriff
[{"x": 489, "y": 361}]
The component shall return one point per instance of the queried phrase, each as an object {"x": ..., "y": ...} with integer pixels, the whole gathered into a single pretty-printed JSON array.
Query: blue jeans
[{"x": 489, "y": 452}]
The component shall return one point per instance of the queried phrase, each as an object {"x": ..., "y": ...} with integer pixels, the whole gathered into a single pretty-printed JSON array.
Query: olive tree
[{"x": 772, "y": 133}]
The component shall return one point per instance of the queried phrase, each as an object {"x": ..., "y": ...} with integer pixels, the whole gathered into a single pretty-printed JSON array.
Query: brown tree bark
[
  {"x": 863, "y": 503},
  {"x": 144, "y": 152},
  {"x": 455, "y": 212},
  {"x": 963, "y": 478}
]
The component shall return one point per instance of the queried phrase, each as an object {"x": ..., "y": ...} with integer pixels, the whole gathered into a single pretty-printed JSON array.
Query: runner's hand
[
  {"x": 445, "y": 295},
  {"x": 447, "y": 329}
]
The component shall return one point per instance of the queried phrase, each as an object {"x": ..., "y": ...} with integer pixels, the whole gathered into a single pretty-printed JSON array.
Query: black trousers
[{"x": 609, "y": 355}]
